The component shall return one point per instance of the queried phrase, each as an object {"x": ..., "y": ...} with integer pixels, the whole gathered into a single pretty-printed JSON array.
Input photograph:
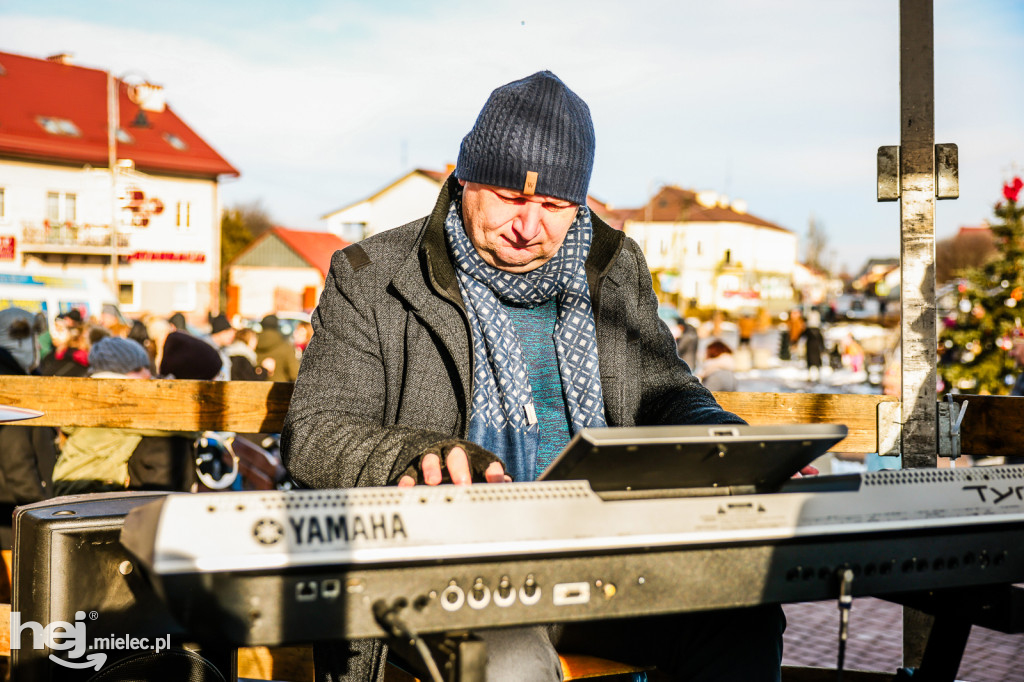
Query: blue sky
[{"x": 781, "y": 104}]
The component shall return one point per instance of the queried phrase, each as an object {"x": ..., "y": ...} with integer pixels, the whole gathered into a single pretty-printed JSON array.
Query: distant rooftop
[
  {"x": 51, "y": 110},
  {"x": 676, "y": 205}
]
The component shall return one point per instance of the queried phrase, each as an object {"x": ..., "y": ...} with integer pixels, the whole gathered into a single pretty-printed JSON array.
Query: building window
[
  {"x": 126, "y": 293},
  {"x": 184, "y": 215},
  {"x": 3, "y": 208},
  {"x": 53, "y": 207},
  {"x": 61, "y": 207},
  {"x": 58, "y": 126},
  {"x": 176, "y": 142},
  {"x": 352, "y": 232}
]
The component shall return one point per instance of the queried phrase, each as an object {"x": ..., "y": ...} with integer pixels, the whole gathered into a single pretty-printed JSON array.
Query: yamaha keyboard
[{"x": 283, "y": 567}]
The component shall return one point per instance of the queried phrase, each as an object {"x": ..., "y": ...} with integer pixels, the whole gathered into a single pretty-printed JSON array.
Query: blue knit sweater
[{"x": 536, "y": 328}]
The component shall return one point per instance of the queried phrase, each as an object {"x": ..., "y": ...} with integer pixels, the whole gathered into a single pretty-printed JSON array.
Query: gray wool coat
[{"x": 389, "y": 369}]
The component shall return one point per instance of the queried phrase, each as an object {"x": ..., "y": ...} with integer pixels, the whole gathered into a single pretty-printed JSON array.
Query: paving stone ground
[{"x": 876, "y": 642}]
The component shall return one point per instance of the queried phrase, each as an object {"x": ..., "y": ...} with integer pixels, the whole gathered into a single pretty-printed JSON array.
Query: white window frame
[
  {"x": 186, "y": 225},
  {"x": 62, "y": 198}
]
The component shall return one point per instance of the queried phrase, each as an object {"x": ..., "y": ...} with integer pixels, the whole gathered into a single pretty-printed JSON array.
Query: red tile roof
[
  {"x": 437, "y": 176},
  {"x": 676, "y": 205},
  {"x": 31, "y": 88},
  {"x": 316, "y": 248}
]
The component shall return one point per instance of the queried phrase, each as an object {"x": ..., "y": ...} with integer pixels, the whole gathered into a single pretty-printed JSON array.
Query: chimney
[
  {"x": 149, "y": 96},
  {"x": 65, "y": 58}
]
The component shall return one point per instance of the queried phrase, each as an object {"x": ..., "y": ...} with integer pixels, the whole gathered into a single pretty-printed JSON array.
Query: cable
[
  {"x": 389, "y": 619},
  {"x": 845, "y": 604}
]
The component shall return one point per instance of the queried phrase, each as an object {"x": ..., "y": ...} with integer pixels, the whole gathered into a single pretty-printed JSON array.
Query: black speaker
[{"x": 82, "y": 610}]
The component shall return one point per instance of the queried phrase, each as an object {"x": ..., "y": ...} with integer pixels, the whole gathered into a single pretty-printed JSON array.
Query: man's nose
[{"x": 527, "y": 223}]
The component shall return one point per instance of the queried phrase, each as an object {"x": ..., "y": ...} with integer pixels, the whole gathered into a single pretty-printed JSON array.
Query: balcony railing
[{"x": 71, "y": 235}]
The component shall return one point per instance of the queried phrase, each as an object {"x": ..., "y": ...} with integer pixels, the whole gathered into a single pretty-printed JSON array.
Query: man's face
[{"x": 513, "y": 231}]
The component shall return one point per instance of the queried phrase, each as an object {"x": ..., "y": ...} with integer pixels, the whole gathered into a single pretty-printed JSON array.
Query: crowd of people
[
  {"x": 800, "y": 337},
  {"x": 37, "y": 462}
]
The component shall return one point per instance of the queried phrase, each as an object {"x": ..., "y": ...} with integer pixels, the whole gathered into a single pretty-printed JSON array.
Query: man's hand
[{"x": 427, "y": 469}]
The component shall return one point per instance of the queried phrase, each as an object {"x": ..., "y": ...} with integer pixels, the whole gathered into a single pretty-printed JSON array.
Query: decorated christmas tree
[{"x": 975, "y": 338}]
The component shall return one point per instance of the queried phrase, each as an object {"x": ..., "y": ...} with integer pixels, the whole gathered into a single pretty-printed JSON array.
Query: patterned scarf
[{"x": 502, "y": 417}]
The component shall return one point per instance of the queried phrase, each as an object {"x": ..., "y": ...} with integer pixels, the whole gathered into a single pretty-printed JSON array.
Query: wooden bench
[{"x": 254, "y": 407}]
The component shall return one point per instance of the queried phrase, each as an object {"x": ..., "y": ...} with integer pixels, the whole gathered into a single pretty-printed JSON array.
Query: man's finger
[
  {"x": 495, "y": 473},
  {"x": 457, "y": 463},
  {"x": 406, "y": 482},
  {"x": 430, "y": 465}
]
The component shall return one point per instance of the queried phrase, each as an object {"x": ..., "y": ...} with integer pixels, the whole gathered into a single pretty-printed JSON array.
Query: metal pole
[
  {"x": 113, "y": 121},
  {"x": 917, "y": 221},
  {"x": 918, "y": 439}
]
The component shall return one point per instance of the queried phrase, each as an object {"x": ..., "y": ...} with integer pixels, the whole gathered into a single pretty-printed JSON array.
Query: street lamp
[{"x": 113, "y": 123}]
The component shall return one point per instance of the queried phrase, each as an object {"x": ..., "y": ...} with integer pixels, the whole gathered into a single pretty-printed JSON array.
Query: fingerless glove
[{"x": 479, "y": 460}]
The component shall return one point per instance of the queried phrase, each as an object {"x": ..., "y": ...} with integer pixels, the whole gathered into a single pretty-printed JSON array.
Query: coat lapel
[{"x": 426, "y": 281}]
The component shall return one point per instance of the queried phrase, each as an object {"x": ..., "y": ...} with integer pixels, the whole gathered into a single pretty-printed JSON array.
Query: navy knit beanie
[
  {"x": 533, "y": 136},
  {"x": 114, "y": 354}
]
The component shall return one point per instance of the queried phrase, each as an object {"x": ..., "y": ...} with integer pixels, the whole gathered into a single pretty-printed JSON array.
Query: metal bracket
[
  {"x": 889, "y": 425},
  {"x": 947, "y": 172},
  {"x": 889, "y": 173},
  {"x": 949, "y": 417}
]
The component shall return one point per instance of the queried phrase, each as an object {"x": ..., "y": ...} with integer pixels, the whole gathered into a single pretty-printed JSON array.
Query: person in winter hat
[
  {"x": 27, "y": 453},
  {"x": 469, "y": 346},
  {"x": 95, "y": 459}
]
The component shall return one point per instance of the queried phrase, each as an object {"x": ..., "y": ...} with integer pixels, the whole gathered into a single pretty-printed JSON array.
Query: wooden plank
[
  {"x": 917, "y": 233},
  {"x": 857, "y": 412},
  {"x": 5, "y": 578},
  {"x": 993, "y": 425},
  {"x": 919, "y": 339},
  {"x": 5, "y": 630},
  {"x": 578, "y": 667},
  {"x": 282, "y": 664},
  {"x": 256, "y": 406},
  {"x": 240, "y": 406}
]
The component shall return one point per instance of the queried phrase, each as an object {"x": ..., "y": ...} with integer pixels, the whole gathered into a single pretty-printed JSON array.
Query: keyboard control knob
[
  {"x": 479, "y": 596},
  {"x": 504, "y": 595},
  {"x": 529, "y": 593}
]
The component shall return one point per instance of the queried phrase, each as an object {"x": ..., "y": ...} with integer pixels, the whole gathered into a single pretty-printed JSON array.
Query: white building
[
  {"x": 60, "y": 195},
  {"x": 706, "y": 253},
  {"x": 281, "y": 270},
  {"x": 410, "y": 197}
]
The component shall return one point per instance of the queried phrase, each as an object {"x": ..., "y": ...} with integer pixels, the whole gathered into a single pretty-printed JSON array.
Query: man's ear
[{"x": 461, "y": 182}]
